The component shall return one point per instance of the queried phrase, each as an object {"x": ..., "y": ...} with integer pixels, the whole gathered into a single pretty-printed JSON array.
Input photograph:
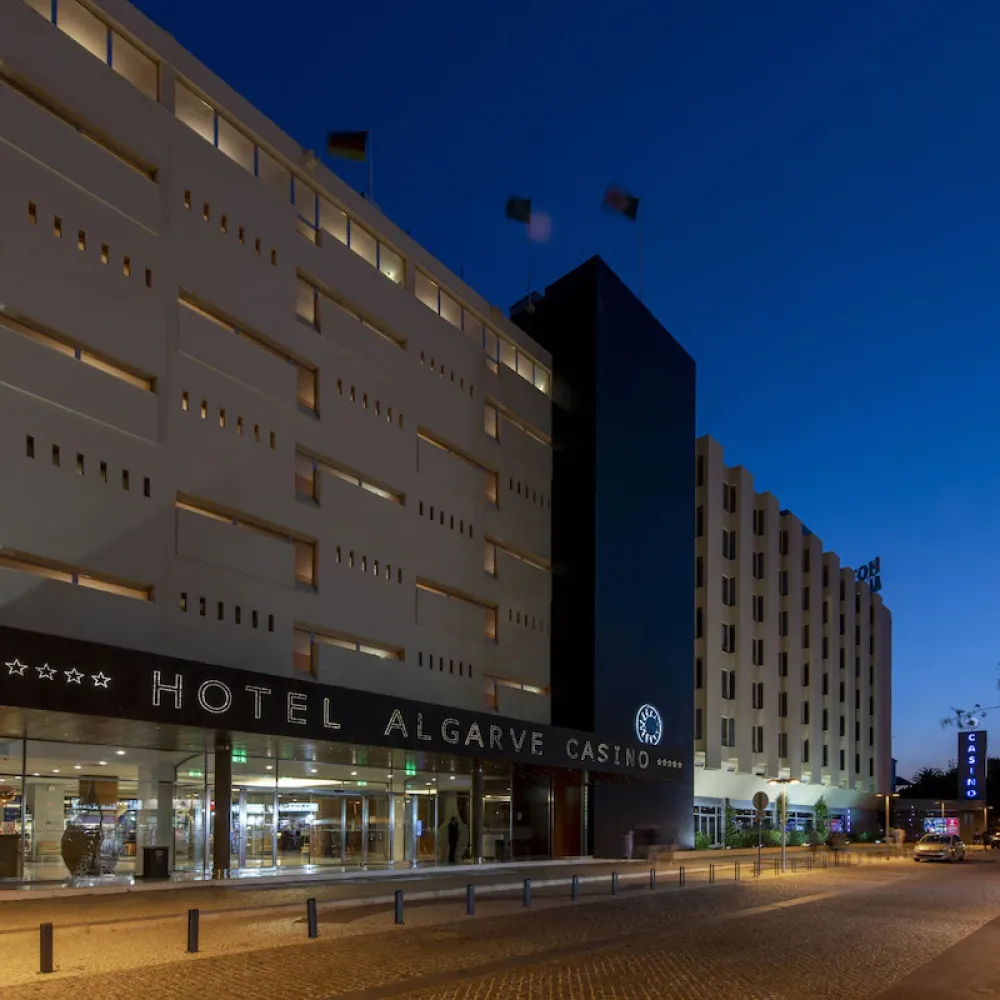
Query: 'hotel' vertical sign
[{"x": 972, "y": 765}]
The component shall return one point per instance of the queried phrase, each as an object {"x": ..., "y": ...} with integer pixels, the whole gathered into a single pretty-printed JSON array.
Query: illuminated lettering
[
  {"x": 328, "y": 723},
  {"x": 449, "y": 730},
  {"x": 227, "y": 697},
  {"x": 396, "y": 723},
  {"x": 536, "y": 743},
  {"x": 475, "y": 736},
  {"x": 294, "y": 704},
  {"x": 518, "y": 743},
  {"x": 588, "y": 751},
  {"x": 496, "y": 737},
  {"x": 421, "y": 735},
  {"x": 176, "y": 689},
  {"x": 571, "y": 748},
  {"x": 258, "y": 695}
]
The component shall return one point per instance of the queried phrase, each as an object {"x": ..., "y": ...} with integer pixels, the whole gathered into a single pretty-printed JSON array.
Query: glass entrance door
[
  {"x": 258, "y": 830},
  {"x": 355, "y": 828},
  {"x": 378, "y": 850}
]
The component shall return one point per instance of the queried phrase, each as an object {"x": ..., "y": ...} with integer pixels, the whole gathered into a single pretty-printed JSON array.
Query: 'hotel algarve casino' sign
[{"x": 63, "y": 675}]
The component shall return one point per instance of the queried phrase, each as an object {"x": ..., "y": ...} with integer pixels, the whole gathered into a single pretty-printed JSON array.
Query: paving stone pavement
[{"x": 844, "y": 934}]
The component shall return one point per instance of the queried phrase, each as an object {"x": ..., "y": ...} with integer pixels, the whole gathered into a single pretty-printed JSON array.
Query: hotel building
[
  {"x": 276, "y": 498},
  {"x": 792, "y": 663}
]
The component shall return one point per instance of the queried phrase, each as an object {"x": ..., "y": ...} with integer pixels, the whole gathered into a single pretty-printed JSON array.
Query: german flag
[
  {"x": 348, "y": 145},
  {"x": 617, "y": 199}
]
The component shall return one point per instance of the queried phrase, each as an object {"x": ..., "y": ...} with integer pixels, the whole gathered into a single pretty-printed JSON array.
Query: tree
[
  {"x": 732, "y": 831},
  {"x": 821, "y": 817}
]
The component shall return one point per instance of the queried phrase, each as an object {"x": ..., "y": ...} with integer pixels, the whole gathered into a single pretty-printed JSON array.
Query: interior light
[
  {"x": 312, "y": 770},
  {"x": 103, "y": 763},
  {"x": 35, "y": 774},
  {"x": 269, "y": 767},
  {"x": 451, "y": 777},
  {"x": 354, "y": 774},
  {"x": 76, "y": 767},
  {"x": 121, "y": 753},
  {"x": 55, "y": 770}
]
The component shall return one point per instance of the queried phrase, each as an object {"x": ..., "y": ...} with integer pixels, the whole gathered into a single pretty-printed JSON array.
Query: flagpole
[
  {"x": 639, "y": 241},
  {"x": 371, "y": 168}
]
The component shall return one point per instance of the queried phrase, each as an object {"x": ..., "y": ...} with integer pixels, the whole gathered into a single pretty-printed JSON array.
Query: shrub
[
  {"x": 702, "y": 841},
  {"x": 796, "y": 838}
]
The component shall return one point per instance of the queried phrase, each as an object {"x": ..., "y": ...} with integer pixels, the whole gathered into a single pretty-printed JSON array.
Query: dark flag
[
  {"x": 519, "y": 209},
  {"x": 619, "y": 200},
  {"x": 349, "y": 145}
]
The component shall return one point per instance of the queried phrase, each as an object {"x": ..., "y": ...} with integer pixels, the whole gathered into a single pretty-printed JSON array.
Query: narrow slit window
[
  {"x": 124, "y": 479},
  {"x": 270, "y": 623},
  {"x": 185, "y": 401},
  {"x": 146, "y": 487},
  {"x": 127, "y": 267},
  {"x": 274, "y": 441},
  {"x": 81, "y": 240},
  {"x": 79, "y": 464},
  {"x": 239, "y": 425},
  {"x": 350, "y": 559},
  {"x": 149, "y": 278},
  {"x": 243, "y": 235},
  {"x": 221, "y": 612},
  {"x": 204, "y": 409},
  {"x": 222, "y": 418},
  {"x": 57, "y": 227},
  {"x": 338, "y": 553},
  {"x": 253, "y": 619},
  {"x": 201, "y": 606},
  {"x": 33, "y": 213},
  {"x": 206, "y": 211},
  {"x": 274, "y": 261},
  {"x": 224, "y": 224},
  {"x": 256, "y": 246},
  {"x": 187, "y": 199},
  {"x": 104, "y": 472},
  {"x": 184, "y": 601},
  {"x": 55, "y": 454},
  {"x": 237, "y": 614},
  {"x": 256, "y": 433},
  {"x": 29, "y": 446},
  {"x": 105, "y": 253}
]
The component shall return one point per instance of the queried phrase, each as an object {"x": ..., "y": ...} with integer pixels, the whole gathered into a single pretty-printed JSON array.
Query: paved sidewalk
[{"x": 363, "y": 956}]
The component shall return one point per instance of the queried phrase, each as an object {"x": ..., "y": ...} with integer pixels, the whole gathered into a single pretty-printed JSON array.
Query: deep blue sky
[{"x": 820, "y": 218}]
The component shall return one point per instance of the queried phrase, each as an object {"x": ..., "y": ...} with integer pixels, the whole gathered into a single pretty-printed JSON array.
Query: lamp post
[
  {"x": 888, "y": 796},
  {"x": 784, "y": 811}
]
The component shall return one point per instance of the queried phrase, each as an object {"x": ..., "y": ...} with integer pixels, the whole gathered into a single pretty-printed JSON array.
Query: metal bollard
[
  {"x": 470, "y": 900},
  {"x": 574, "y": 891},
  {"x": 311, "y": 918},
  {"x": 711, "y": 873},
  {"x": 736, "y": 871},
  {"x": 45, "y": 958},
  {"x": 776, "y": 866},
  {"x": 399, "y": 906},
  {"x": 681, "y": 876},
  {"x": 192, "y": 931},
  {"x": 756, "y": 869},
  {"x": 652, "y": 878},
  {"x": 614, "y": 883},
  {"x": 526, "y": 897}
]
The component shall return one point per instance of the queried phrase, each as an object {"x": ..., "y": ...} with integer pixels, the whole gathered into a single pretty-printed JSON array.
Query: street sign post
[{"x": 760, "y": 801}]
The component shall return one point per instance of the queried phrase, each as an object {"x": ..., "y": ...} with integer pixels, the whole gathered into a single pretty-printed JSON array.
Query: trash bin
[{"x": 156, "y": 862}]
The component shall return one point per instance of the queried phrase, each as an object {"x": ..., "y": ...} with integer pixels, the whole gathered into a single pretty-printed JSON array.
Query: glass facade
[{"x": 79, "y": 811}]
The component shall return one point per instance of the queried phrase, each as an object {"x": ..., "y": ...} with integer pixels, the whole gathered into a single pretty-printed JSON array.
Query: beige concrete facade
[
  {"x": 244, "y": 418},
  {"x": 793, "y": 656}
]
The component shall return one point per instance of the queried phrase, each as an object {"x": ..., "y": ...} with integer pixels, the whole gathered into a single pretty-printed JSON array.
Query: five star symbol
[
  {"x": 46, "y": 673},
  {"x": 15, "y": 666},
  {"x": 101, "y": 680},
  {"x": 73, "y": 676}
]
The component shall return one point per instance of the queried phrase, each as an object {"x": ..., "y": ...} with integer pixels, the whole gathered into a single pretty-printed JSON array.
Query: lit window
[
  {"x": 194, "y": 112},
  {"x": 134, "y": 65},
  {"x": 83, "y": 28},
  {"x": 235, "y": 145},
  {"x": 390, "y": 264},
  {"x": 332, "y": 220},
  {"x": 364, "y": 244},
  {"x": 426, "y": 291}
]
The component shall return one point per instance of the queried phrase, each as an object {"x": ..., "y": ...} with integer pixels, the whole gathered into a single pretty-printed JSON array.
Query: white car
[{"x": 939, "y": 847}]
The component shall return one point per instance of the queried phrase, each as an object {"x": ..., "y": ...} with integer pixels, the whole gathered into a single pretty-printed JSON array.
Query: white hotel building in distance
[
  {"x": 793, "y": 663},
  {"x": 275, "y": 499}
]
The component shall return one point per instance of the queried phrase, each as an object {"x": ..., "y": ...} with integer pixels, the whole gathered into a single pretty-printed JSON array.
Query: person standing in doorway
[{"x": 452, "y": 839}]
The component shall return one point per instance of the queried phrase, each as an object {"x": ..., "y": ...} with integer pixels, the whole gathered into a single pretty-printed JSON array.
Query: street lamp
[
  {"x": 888, "y": 796},
  {"x": 784, "y": 812}
]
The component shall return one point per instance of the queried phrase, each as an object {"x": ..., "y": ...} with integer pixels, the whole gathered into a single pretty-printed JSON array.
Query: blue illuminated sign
[{"x": 972, "y": 765}]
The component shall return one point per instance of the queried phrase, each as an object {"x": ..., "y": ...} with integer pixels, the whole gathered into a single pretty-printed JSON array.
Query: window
[
  {"x": 783, "y": 542},
  {"x": 728, "y": 731},
  {"x": 699, "y": 522},
  {"x": 843, "y": 657},
  {"x": 699, "y": 476},
  {"x": 699, "y": 674},
  {"x": 805, "y": 636},
  {"x": 698, "y": 623},
  {"x": 758, "y": 652},
  {"x": 871, "y": 736},
  {"x": 729, "y": 685},
  {"x": 697, "y": 725},
  {"x": 826, "y": 756},
  {"x": 29, "y": 446},
  {"x": 728, "y": 638},
  {"x": 826, "y": 683},
  {"x": 783, "y": 583},
  {"x": 805, "y": 598},
  {"x": 729, "y": 591},
  {"x": 826, "y": 648},
  {"x": 826, "y": 576},
  {"x": 805, "y": 751},
  {"x": 805, "y": 675},
  {"x": 757, "y": 739},
  {"x": 857, "y": 700},
  {"x": 491, "y": 422},
  {"x": 826, "y": 720},
  {"x": 871, "y": 704},
  {"x": 782, "y": 745},
  {"x": 805, "y": 713},
  {"x": 843, "y": 726},
  {"x": 871, "y": 768},
  {"x": 805, "y": 560},
  {"x": 699, "y": 572},
  {"x": 783, "y": 664},
  {"x": 758, "y": 607},
  {"x": 758, "y": 565},
  {"x": 757, "y": 694},
  {"x": 729, "y": 498},
  {"x": 758, "y": 521},
  {"x": 843, "y": 763},
  {"x": 783, "y": 623},
  {"x": 842, "y": 691},
  {"x": 857, "y": 732},
  {"x": 782, "y": 704},
  {"x": 728, "y": 544}
]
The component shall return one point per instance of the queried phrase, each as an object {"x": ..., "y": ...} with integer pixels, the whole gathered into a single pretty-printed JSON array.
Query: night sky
[{"x": 819, "y": 219}]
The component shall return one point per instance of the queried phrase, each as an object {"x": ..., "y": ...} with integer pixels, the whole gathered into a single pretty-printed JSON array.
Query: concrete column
[
  {"x": 476, "y": 813},
  {"x": 223, "y": 805},
  {"x": 155, "y": 819}
]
